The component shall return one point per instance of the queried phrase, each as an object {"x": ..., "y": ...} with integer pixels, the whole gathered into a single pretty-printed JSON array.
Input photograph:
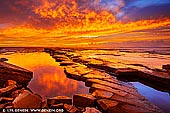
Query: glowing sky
[{"x": 85, "y": 23}]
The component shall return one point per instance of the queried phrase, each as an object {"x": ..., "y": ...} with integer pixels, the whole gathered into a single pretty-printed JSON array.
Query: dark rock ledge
[{"x": 12, "y": 72}]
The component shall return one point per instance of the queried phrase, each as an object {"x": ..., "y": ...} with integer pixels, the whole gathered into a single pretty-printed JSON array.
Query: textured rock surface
[
  {"x": 6, "y": 99},
  {"x": 125, "y": 108},
  {"x": 126, "y": 72},
  {"x": 15, "y": 93},
  {"x": 89, "y": 83},
  {"x": 102, "y": 94},
  {"x": 9, "y": 88},
  {"x": 106, "y": 88},
  {"x": 84, "y": 100},
  {"x": 138, "y": 102},
  {"x": 70, "y": 109},
  {"x": 105, "y": 104},
  {"x": 167, "y": 67},
  {"x": 92, "y": 110},
  {"x": 76, "y": 71},
  {"x": 66, "y": 63},
  {"x": 58, "y": 100},
  {"x": 109, "y": 88},
  {"x": 95, "y": 75},
  {"x": 26, "y": 99},
  {"x": 12, "y": 72},
  {"x": 58, "y": 106},
  {"x": 159, "y": 80},
  {"x": 60, "y": 58},
  {"x": 4, "y": 105}
]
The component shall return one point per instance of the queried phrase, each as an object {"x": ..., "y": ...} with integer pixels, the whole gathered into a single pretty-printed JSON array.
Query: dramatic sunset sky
[{"x": 85, "y": 23}]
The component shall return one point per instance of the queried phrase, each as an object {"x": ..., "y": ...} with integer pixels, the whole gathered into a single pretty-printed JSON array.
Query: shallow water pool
[{"x": 49, "y": 78}]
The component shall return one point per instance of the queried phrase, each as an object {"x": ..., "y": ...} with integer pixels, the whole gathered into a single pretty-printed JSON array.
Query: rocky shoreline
[{"x": 108, "y": 93}]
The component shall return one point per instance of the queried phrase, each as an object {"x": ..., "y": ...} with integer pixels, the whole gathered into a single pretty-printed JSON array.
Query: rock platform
[{"x": 107, "y": 92}]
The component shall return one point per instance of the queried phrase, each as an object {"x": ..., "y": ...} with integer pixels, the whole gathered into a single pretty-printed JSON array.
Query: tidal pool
[
  {"x": 161, "y": 99},
  {"x": 49, "y": 78}
]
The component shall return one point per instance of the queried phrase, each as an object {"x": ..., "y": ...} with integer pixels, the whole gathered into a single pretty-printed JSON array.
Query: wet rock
[
  {"x": 72, "y": 74},
  {"x": 84, "y": 100},
  {"x": 116, "y": 55},
  {"x": 70, "y": 109},
  {"x": 105, "y": 104},
  {"x": 92, "y": 110},
  {"x": 27, "y": 100},
  {"x": 15, "y": 93},
  {"x": 156, "y": 77},
  {"x": 80, "y": 59},
  {"x": 110, "y": 80},
  {"x": 69, "y": 54},
  {"x": 6, "y": 99},
  {"x": 48, "y": 50},
  {"x": 141, "y": 103},
  {"x": 153, "y": 78},
  {"x": 167, "y": 67},
  {"x": 82, "y": 70},
  {"x": 61, "y": 52},
  {"x": 76, "y": 71},
  {"x": 81, "y": 109},
  {"x": 103, "y": 65},
  {"x": 4, "y": 105},
  {"x": 102, "y": 87},
  {"x": 66, "y": 63},
  {"x": 58, "y": 100},
  {"x": 126, "y": 72},
  {"x": 89, "y": 83},
  {"x": 3, "y": 59},
  {"x": 9, "y": 107},
  {"x": 51, "y": 52},
  {"x": 75, "y": 56},
  {"x": 44, "y": 104},
  {"x": 95, "y": 75},
  {"x": 11, "y": 82},
  {"x": 126, "y": 108},
  {"x": 102, "y": 94},
  {"x": 141, "y": 65},
  {"x": 12, "y": 72},
  {"x": 116, "y": 81},
  {"x": 106, "y": 88},
  {"x": 60, "y": 58},
  {"x": 58, "y": 106},
  {"x": 8, "y": 89},
  {"x": 95, "y": 62}
]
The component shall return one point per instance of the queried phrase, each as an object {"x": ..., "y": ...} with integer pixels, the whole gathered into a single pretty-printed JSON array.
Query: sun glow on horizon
[{"x": 71, "y": 22}]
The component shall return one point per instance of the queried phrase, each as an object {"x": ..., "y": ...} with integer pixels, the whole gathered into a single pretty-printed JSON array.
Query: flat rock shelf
[{"x": 109, "y": 91}]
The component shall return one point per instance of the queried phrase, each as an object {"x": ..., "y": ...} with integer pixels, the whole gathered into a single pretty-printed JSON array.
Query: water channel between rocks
[{"x": 49, "y": 79}]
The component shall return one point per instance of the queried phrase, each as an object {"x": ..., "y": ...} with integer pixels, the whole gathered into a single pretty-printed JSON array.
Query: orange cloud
[
  {"x": 72, "y": 22},
  {"x": 92, "y": 29}
]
